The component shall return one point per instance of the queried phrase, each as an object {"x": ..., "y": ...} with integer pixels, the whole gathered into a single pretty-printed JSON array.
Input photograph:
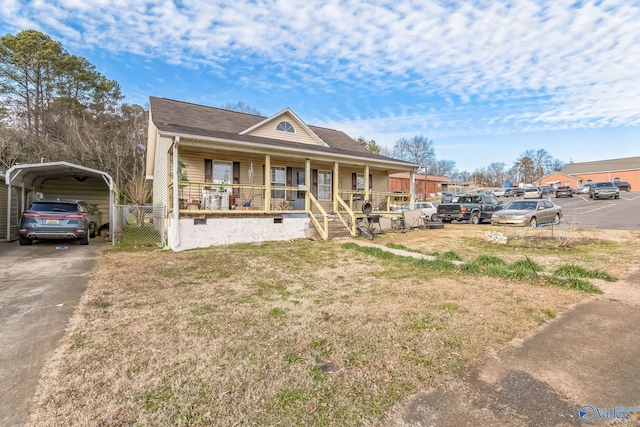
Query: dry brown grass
[{"x": 292, "y": 333}]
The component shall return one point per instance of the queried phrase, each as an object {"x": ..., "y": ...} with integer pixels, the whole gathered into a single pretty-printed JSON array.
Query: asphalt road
[{"x": 40, "y": 286}]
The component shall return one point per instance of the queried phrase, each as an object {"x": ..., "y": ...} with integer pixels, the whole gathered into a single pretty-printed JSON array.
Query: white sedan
[{"x": 428, "y": 209}]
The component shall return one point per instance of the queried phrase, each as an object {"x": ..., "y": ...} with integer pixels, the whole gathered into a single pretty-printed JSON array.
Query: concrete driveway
[{"x": 40, "y": 286}]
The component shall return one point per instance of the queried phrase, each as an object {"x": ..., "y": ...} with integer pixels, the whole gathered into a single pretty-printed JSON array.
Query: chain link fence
[{"x": 136, "y": 225}]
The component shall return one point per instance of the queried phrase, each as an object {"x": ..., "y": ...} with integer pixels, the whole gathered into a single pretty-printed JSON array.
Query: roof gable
[
  {"x": 285, "y": 125},
  {"x": 212, "y": 125}
]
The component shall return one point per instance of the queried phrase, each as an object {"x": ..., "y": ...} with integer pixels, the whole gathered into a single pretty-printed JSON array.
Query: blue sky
[{"x": 484, "y": 79}]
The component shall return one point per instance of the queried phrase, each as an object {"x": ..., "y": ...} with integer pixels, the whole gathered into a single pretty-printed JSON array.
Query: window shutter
[
  {"x": 236, "y": 178},
  {"x": 314, "y": 186},
  {"x": 370, "y": 182},
  {"x": 208, "y": 170},
  {"x": 354, "y": 181}
]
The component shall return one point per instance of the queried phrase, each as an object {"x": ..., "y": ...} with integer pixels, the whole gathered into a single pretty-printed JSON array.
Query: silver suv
[
  {"x": 55, "y": 219},
  {"x": 599, "y": 190}
]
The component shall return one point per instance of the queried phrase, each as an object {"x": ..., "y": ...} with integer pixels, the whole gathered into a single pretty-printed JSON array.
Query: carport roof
[{"x": 29, "y": 174}]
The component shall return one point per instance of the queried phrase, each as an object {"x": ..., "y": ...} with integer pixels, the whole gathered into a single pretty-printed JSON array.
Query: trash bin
[
  {"x": 215, "y": 201},
  {"x": 224, "y": 200}
]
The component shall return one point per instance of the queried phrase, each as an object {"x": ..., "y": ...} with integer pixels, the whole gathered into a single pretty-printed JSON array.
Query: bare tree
[
  {"x": 443, "y": 168},
  {"x": 496, "y": 174},
  {"x": 418, "y": 149},
  {"x": 241, "y": 107}
]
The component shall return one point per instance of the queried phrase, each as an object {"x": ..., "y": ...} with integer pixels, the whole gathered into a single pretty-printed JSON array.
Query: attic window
[{"x": 285, "y": 127}]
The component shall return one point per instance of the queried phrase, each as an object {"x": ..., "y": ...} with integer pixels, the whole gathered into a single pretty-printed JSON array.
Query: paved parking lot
[
  {"x": 580, "y": 211},
  {"x": 617, "y": 214},
  {"x": 40, "y": 286}
]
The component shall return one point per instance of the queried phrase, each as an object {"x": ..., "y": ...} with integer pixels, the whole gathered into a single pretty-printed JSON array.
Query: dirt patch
[{"x": 292, "y": 333}]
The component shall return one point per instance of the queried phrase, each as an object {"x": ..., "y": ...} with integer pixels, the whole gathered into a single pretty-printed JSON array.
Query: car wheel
[
  {"x": 617, "y": 196},
  {"x": 85, "y": 240},
  {"x": 434, "y": 217},
  {"x": 92, "y": 230},
  {"x": 25, "y": 240},
  {"x": 533, "y": 222},
  {"x": 475, "y": 219},
  {"x": 556, "y": 219}
]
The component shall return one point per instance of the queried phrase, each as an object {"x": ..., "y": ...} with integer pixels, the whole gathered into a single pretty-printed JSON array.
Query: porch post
[
  {"x": 367, "y": 184},
  {"x": 336, "y": 185},
  {"x": 307, "y": 179},
  {"x": 267, "y": 182},
  {"x": 412, "y": 199},
  {"x": 176, "y": 200}
]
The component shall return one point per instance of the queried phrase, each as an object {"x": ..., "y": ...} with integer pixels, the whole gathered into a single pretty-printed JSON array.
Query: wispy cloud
[{"x": 457, "y": 66}]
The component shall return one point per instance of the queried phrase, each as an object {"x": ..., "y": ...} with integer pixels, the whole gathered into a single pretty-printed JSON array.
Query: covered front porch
[
  {"x": 201, "y": 201},
  {"x": 219, "y": 213}
]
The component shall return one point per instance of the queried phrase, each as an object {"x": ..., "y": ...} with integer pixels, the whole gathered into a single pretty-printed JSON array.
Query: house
[
  {"x": 576, "y": 174},
  {"x": 557, "y": 179},
  {"x": 228, "y": 177},
  {"x": 426, "y": 186}
]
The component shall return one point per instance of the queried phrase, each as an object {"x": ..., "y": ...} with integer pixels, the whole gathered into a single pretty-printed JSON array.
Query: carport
[{"x": 58, "y": 180}]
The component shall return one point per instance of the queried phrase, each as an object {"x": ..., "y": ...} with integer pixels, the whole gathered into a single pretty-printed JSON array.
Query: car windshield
[
  {"x": 54, "y": 207},
  {"x": 604, "y": 184},
  {"x": 522, "y": 206}
]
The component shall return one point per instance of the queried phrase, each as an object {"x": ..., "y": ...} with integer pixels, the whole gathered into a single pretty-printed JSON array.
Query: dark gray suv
[
  {"x": 55, "y": 219},
  {"x": 599, "y": 190}
]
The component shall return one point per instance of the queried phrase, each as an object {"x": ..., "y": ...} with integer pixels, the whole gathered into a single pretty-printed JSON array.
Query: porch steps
[{"x": 337, "y": 230}]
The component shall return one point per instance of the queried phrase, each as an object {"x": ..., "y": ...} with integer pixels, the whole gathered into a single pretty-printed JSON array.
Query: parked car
[
  {"x": 622, "y": 185},
  {"x": 517, "y": 192},
  {"x": 528, "y": 212},
  {"x": 55, "y": 219},
  {"x": 498, "y": 192},
  {"x": 564, "y": 191},
  {"x": 428, "y": 209},
  {"x": 583, "y": 189},
  {"x": 603, "y": 189},
  {"x": 446, "y": 198},
  {"x": 546, "y": 190},
  {"x": 532, "y": 193}
]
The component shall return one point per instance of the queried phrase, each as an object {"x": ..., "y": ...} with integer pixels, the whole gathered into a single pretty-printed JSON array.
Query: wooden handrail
[{"x": 322, "y": 229}]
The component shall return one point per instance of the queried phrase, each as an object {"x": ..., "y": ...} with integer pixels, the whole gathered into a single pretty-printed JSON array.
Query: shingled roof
[
  {"x": 628, "y": 163},
  {"x": 192, "y": 120}
]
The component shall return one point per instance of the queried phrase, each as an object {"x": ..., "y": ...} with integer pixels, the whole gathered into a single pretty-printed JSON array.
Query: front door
[{"x": 298, "y": 196}]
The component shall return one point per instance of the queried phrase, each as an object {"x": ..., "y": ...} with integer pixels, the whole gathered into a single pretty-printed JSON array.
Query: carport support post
[{"x": 9, "y": 212}]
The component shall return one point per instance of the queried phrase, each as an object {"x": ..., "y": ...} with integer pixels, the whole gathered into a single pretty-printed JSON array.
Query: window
[
  {"x": 324, "y": 185},
  {"x": 360, "y": 182},
  {"x": 278, "y": 179},
  {"x": 218, "y": 172},
  {"x": 285, "y": 127}
]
